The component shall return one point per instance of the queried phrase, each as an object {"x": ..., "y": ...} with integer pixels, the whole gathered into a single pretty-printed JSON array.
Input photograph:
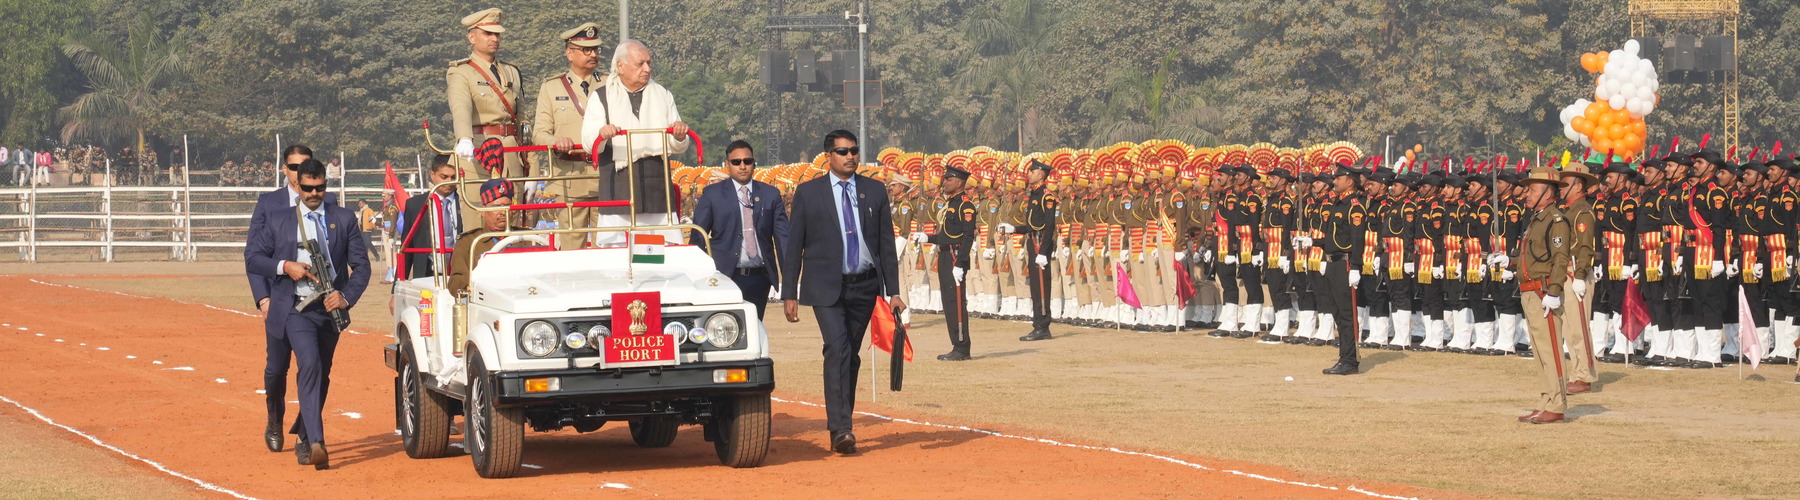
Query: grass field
[{"x": 1437, "y": 421}]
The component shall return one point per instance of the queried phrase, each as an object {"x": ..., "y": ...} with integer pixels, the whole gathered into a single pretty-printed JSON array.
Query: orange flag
[{"x": 881, "y": 329}]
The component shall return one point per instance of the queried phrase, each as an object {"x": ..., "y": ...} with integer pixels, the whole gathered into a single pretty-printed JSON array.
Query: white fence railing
[{"x": 180, "y": 219}]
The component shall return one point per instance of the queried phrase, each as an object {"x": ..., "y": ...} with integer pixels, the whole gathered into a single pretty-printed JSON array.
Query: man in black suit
[
  {"x": 745, "y": 221},
  {"x": 419, "y": 227},
  {"x": 275, "y": 373},
  {"x": 273, "y": 251},
  {"x": 839, "y": 257}
]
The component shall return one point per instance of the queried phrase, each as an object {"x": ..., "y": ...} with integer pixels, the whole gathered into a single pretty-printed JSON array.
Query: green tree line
[{"x": 358, "y": 76}]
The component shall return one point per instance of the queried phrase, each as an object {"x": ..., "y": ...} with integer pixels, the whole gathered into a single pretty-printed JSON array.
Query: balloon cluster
[{"x": 1625, "y": 91}]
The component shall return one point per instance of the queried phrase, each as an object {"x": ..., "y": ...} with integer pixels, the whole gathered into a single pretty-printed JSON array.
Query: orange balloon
[
  {"x": 1603, "y": 57},
  {"x": 1579, "y": 123},
  {"x": 1593, "y": 111},
  {"x": 1590, "y": 62},
  {"x": 1638, "y": 128}
]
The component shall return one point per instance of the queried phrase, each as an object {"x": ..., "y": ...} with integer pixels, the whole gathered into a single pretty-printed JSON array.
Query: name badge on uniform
[
  {"x": 1556, "y": 242},
  {"x": 483, "y": 83},
  {"x": 562, "y": 98}
]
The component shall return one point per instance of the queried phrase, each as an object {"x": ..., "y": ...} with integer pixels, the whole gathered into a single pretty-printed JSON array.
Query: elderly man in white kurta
[{"x": 629, "y": 100}]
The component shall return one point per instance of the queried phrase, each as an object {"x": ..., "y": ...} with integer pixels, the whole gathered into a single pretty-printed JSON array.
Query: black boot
[
  {"x": 1342, "y": 368},
  {"x": 1040, "y": 334},
  {"x": 272, "y": 434}
]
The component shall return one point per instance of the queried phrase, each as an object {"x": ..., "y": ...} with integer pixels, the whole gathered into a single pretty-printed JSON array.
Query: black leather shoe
[
  {"x": 843, "y": 443},
  {"x": 1525, "y": 353},
  {"x": 1036, "y": 335},
  {"x": 1293, "y": 339},
  {"x": 1315, "y": 342},
  {"x": 1701, "y": 365},
  {"x": 321, "y": 459},
  {"x": 1392, "y": 347},
  {"x": 1613, "y": 358},
  {"x": 272, "y": 435},
  {"x": 1271, "y": 338},
  {"x": 953, "y": 356},
  {"x": 1242, "y": 334},
  {"x": 1342, "y": 368},
  {"x": 302, "y": 453}
]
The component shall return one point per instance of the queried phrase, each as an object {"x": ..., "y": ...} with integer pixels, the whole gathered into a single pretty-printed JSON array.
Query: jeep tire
[
  {"x": 495, "y": 436},
  {"x": 742, "y": 430},
  {"x": 422, "y": 415},
  {"x": 654, "y": 432}
]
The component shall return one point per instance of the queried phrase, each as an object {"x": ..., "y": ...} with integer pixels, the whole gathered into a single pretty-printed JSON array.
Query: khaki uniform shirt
[
  {"x": 1546, "y": 250},
  {"x": 560, "y": 107}
]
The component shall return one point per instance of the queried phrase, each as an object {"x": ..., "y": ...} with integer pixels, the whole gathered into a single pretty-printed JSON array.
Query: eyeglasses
[
  {"x": 742, "y": 161},
  {"x": 293, "y": 166},
  {"x": 849, "y": 151},
  {"x": 312, "y": 188}
]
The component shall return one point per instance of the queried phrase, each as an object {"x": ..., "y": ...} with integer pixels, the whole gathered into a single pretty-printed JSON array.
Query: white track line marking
[
  {"x": 614, "y": 485},
  {"x": 1108, "y": 449},
  {"x": 128, "y": 356},
  {"x": 183, "y": 368},
  {"x": 178, "y": 301},
  {"x": 219, "y": 380},
  {"x": 115, "y": 449},
  {"x": 350, "y": 414}
]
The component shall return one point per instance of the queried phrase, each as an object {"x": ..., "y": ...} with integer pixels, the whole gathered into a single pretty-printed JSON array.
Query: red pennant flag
[
  {"x": 1637, "y": 313},
  {"x": 393, "y": 183},
  {"x": 881, "y": 328},
  {"x": 1184, "y": 287},
  {"x": 1127, "y": 294}
]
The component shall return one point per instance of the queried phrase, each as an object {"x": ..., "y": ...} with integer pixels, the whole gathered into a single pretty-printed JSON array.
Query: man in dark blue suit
[
  {"x": 281, "y": 199},
  {"x": 745, "y": 221},
  {"x": 839, "y": 257},
  {"x": 274, "y": 252}
]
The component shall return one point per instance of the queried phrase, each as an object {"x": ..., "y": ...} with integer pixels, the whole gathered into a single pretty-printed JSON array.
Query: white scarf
[{"x": 657, "y": 111}]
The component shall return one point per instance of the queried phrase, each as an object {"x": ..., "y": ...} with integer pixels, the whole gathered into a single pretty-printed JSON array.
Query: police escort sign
[{"x": 637, "y": 330}]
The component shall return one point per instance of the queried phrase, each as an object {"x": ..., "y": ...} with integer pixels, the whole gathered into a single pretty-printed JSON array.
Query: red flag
[
  {"x": 881, "y": 328},
  {"x": 1637, "y": 313},
  {"x": 393, "y": 183},
  {"x": 1184, "y": 287},
  {"x": 1126, "y": 292}
]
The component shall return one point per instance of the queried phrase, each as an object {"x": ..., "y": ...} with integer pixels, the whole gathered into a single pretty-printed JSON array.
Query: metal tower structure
[
  {"x": 1645, "y": 12},
  {"x": 780, "y": 22}
]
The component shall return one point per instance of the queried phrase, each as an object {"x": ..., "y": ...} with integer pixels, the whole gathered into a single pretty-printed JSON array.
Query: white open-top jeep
[{"x": 578, "y": 338}]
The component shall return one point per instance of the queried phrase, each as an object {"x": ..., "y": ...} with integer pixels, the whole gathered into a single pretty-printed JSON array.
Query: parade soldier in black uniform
[
  {"x": 954, "y": 239},
  {"x": 1279, "y": 221},
  {"x": 1040, "y": 241},
  {"x": 1345, "y": 220}
]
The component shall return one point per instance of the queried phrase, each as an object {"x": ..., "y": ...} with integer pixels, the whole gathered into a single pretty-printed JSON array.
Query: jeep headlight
[
  {"x": 539, "y": 339},
  {"x": 676, "y": 329},
  {"x": 575, "y": 340},
  {"x": 724, "y": 329}
]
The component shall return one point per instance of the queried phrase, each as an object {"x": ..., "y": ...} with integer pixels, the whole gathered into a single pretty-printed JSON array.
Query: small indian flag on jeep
[{"x": 647, "y": 249}]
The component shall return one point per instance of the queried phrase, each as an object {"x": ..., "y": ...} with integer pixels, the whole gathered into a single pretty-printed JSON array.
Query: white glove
[
  {"x": 1437, "y": 272},
  {"x": 1377, "y": 262},
  {"x": 1551, "y": 302},
  {"x": 1019, "y": 254},
  {"x": 1306, "y": 242},
  {"x": 987, "y": 253},
  {"x": 1355, "y": 278},
  {"x": 919, "y": 237},
  {"x": 1230, "y": 258},
  {"x": 1412, "y": 269},
  {"x": 1208, "y": 256},
  {"x": 1791, "y": 262},
  {"x": 1756, "y": 271},
  {"x": 1599, "y": 274},
  {"x": 1006, "y": 228},
  {"x": 1141, "y": 256},
  {"x": 1580, "y": 287},
  {"x": 1285, "y": 264},
  {"x": 1155, "y": 253},
  {"x": 1718, "y": 268},
  {"x": 1506, "y": 275},
  {"x": 466, "y": 149},
  {"x": 1498, "y": 259},
  {"x": 1180, "y": 256},
  {"x": 1062, "y": 252},
  {"x": 958, "y": 273},
  {"x": 1297, "y": 241},
  {"x": 1677, "y": 267},
  {"x": 1257, "y": 260},
  {"x": 1043, "y": 260}
]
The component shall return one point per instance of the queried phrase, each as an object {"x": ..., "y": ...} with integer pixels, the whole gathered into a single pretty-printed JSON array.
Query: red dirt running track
[{"x": 175, "y": 383}]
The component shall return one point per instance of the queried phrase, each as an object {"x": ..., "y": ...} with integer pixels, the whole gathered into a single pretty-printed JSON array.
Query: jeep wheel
[
  {"x": 495, "y": 436},
  {"x": 424, "y": 415},
  {"x": 743, "y": 430},
  {"x": 654, "y": 432}
]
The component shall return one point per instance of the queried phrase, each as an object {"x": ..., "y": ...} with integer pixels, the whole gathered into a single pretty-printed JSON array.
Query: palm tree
[
  {"x": 125, "y": 84},
  {"x": 1013, "y": 39},
  {"x": 1141, "y": 107}
]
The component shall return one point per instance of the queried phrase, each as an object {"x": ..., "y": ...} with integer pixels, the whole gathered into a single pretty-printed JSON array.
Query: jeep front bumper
[{"x": 600, "y": 385}]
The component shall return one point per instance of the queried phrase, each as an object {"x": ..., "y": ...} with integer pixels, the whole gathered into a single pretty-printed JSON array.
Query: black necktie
[
  {"x": 584, "y": 90},
  {"x": 495, "y": 70}
]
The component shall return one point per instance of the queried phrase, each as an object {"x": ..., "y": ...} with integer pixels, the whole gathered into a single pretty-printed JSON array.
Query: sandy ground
[{"x": 1427, "y": 425}]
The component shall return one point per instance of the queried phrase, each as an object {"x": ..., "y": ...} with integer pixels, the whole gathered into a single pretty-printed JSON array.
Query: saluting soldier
[
  {"x": 483, "y": 94},
  {"x": 1343, "y": 225},
  {"x": 1040, "y": 241},
  {"x": 561, "y": 104},
  {"x": 1543, "y": 269},
  {"x": 955, "y": 238}
]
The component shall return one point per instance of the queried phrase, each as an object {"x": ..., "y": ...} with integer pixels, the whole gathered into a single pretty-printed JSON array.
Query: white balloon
[
  {"x": 1616, "y": 102},
  {"x": 1646, "y": 94},
  {"x": 1570, "y": 133},
  {"x": 1631, "y": 47},
  {"x": 1586, "y": 141},
  {"x": 1616, "y": 55},
  {"x": 1629, "y": 89},
  {"x": 1647, "y": 67},
  {"x": 1600, "y": 93}
]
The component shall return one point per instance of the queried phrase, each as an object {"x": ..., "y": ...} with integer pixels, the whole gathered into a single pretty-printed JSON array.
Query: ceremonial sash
[
  {"x": 1473, "y": 258},
  {"x": 1137, "y": 241},
  {"x": 1115, "y": 240},
  {"x": 1653, "y": 256},
  {"x": 1427, "y": 259},
  {"x": 1452, "y": 266},
  {"x": 1778, "y": 269},
  {"x": 1749, "y": 243},
  {"x": 1371, "y": 242},
  {"x": 1703, "y": 250},
  {"x": 1499, "y": 244},
  {"x": 1272, "y": 236},
  {"x": 1223, "y": 230},
  {"x": 1318, "y": 252},
  {"x": 1396, "y": 262},
  {"x": 1246, "y": 244}
]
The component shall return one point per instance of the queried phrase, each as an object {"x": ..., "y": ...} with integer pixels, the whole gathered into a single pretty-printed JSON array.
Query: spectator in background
[
  {"x": 6, "y": 166},
  {"x": 371, "y": 220},
  {"x": 23, "y": 158}
]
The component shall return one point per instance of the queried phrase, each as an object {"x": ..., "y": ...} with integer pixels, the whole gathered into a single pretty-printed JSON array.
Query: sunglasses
[
  {"x": 312, "y": 188},
  {"x": 849, "y": 151},
  {"x": 293, "y": 166},
  {"x": 742, "y": 161}
]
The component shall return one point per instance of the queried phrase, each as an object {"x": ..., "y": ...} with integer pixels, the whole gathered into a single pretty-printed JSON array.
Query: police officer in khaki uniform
[
  {"x": 1578, "y": 339},
  {"x": 561, "y": 103},
  {"x": 483, "y": 93},
  {"x": 1544, "y": 267}
]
